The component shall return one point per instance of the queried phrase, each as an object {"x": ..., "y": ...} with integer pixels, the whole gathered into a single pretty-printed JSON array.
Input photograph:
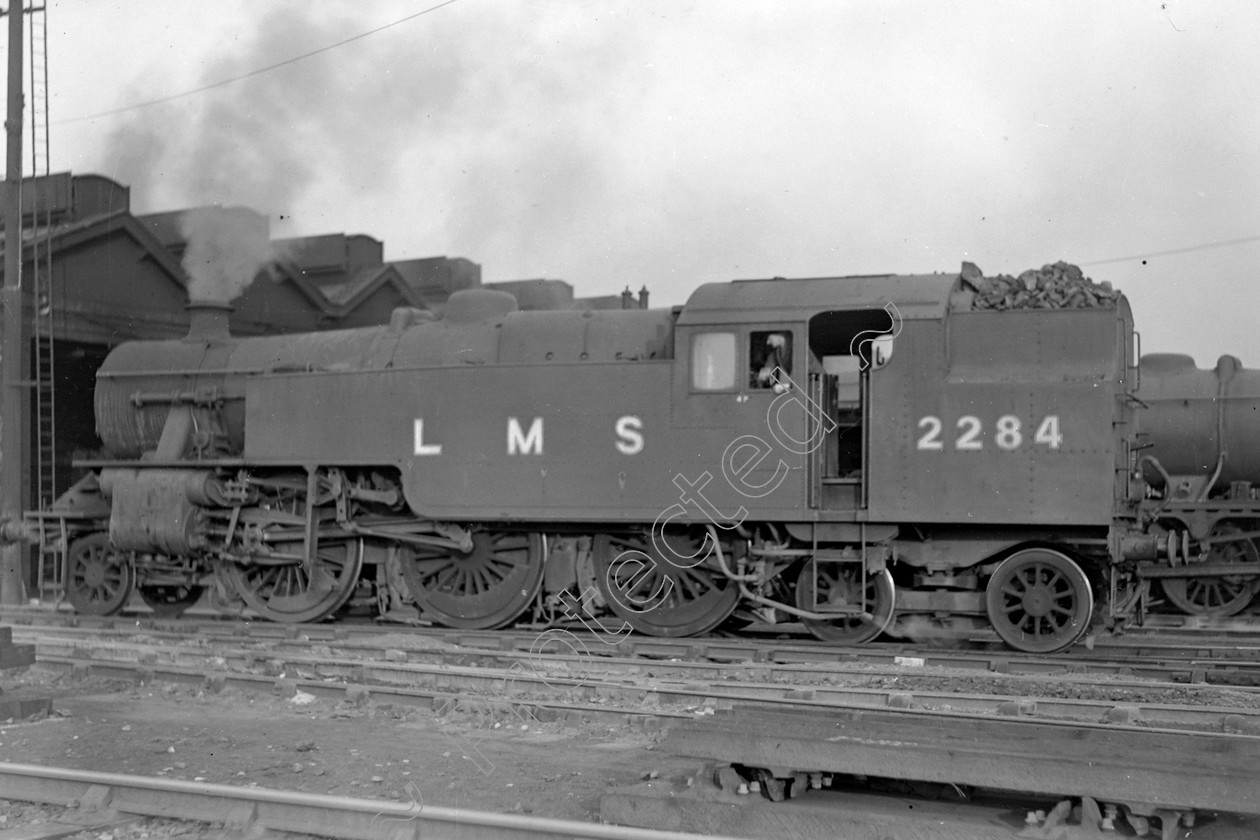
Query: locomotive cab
[{"x": 845, "y": 346}]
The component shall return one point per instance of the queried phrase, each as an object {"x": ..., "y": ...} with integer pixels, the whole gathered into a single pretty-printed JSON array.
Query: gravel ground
[
  {"x": 1101, "y": 688},
  {"x": 462, "y": 759},
  {"x": 476, "y": 756}
]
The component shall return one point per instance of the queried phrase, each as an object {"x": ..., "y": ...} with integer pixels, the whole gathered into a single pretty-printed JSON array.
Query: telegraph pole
[{"x": 13, "y": 397}]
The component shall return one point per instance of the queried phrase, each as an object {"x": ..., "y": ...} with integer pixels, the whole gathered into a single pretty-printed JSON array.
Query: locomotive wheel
[
  {"x": 1039, "y": 600},
  {"x": 655, "y": 596},
  {"x": 286, "y": 593},
  {"x": 99, "y": 578},
  {"x": 1218, "y": 596},
  {"x": 840, "y": 583},
  {"x": 170, "y": 600},
  {"x": 482, "y": 589}
]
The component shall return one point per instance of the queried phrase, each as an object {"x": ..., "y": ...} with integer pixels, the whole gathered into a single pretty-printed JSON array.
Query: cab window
[
  {"x": 713, "y": 361},
  {"x": 769, "y": 351}
]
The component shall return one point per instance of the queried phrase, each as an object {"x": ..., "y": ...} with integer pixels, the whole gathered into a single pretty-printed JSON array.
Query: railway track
[
  {"x": 544, "y": 685},
  {"x": 1159, "y": 628},
  {"x": 1215, "y": 660},
  {"x": 682, "y": 685}
]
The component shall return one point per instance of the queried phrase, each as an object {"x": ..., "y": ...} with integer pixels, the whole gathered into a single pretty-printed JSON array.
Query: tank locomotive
[{"x": 858, "y": 454}]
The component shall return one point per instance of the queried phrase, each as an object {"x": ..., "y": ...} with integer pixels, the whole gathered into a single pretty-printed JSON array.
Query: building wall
[
  {"x": 376, "y": 310},
  {"x": 107, "y": 290},
  {"x": 274, "y": 304}
]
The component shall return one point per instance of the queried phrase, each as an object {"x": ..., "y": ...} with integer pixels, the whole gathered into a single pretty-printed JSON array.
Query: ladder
[
  {"x": 41, "y": 258},
  {"x": 50, "y": 567}
]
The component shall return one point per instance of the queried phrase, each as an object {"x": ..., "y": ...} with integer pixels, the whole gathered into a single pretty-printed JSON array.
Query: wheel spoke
[
  {"x": 688, "y": 584},
  {"x": 482, "y": 577},
  {"x": 446, "y": 577}
]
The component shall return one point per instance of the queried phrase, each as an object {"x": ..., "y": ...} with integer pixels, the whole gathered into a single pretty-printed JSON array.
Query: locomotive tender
[{"x": 847, "y": 452}]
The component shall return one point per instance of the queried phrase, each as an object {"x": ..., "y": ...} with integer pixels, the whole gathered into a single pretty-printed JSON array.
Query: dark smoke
[{"x": 506, "y": 136}]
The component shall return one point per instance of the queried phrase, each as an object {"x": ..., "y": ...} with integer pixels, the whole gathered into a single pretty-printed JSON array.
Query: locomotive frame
[{"x": 860, "y": 454}]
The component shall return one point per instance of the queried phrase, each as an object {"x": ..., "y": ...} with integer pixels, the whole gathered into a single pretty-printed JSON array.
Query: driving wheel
[
  {"x": 656, "y": 595},
  {"x": 484, "y": 588},
  {"x": 280, "y": 588}
]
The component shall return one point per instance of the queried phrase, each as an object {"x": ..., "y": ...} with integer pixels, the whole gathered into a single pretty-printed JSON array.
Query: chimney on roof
[
  {"x": 643, "y": 298},
  {"x": 627, "y": 298}
]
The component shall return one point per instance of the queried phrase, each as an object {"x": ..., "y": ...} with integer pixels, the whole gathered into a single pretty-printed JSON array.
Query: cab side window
[
  {"x": 713, "y": 361},
  {"x": 769, "y": 351}
]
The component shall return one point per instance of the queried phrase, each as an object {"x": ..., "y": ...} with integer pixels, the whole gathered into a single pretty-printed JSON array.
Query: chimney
[
  {"x": 627, "y": 297},
  {"x": 643, "y": 298},
  {"x": 208, "y": 320}
]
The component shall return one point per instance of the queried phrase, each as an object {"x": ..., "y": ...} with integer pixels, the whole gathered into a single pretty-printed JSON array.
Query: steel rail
[
  {"x": 1182, "y": 664},
  {"x": 518, "y": 694},
  {"x": 355, "y": 659},
  {"x": 201, "y": 621},
  {"x": 1183, "y": 660},
  {"x": 246, "y": 808}
]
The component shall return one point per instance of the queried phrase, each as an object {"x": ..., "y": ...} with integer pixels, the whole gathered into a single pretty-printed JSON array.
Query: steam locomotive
[{"x": 858, "y": 454}]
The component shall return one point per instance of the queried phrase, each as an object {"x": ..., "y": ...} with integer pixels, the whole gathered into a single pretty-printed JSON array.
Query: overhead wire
[
  {"x": 1204, "y": 246},
  {"x": 256, "y": 72}
]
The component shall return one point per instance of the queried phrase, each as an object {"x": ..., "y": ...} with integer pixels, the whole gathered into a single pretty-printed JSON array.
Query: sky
[{"x": 665, "y": 143}]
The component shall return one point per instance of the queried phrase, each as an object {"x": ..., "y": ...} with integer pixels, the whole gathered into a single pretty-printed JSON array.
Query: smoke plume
[
  {"x": 476, "y": 133},
  {"x": 227, "y": 247}
]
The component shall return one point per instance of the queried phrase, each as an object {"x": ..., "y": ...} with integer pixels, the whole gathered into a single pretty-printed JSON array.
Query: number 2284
[{"x": 1008, "y": 433}]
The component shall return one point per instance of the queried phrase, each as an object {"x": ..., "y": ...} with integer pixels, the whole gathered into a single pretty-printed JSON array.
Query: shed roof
[
  {"x": 80, "y": 231},
  {"x": 915, "y": 296},
  {"x": 357, "y": 289}
]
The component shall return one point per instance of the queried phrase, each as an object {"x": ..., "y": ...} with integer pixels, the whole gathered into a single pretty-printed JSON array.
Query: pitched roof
[
  {"x": 346, "y": 296},
  {"x": 85, "y": 230}
]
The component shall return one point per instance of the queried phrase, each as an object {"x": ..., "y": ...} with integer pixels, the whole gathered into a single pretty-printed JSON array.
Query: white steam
[{"x": 227, "y": 248}]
